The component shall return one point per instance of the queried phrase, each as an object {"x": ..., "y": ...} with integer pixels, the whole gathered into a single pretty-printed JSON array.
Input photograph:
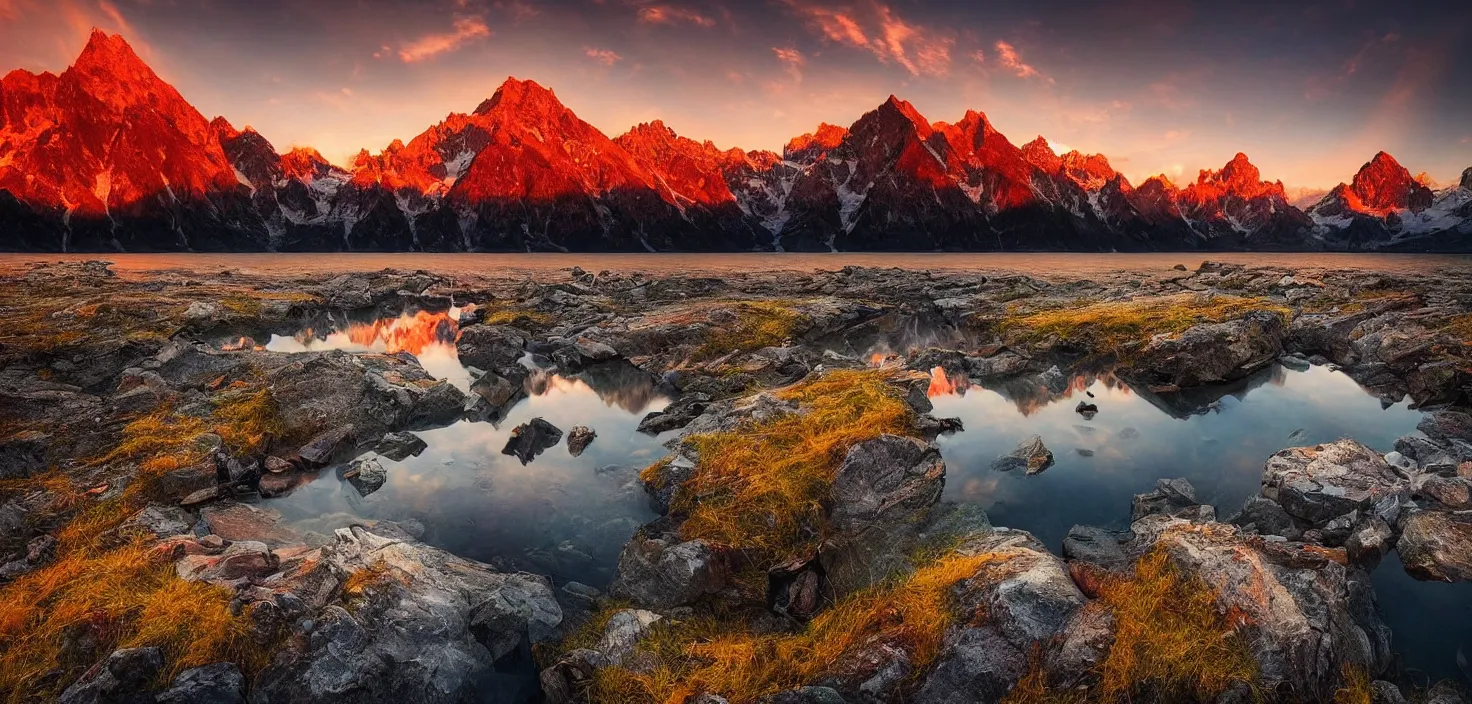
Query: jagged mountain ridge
[{"x": 107, "y": 156}]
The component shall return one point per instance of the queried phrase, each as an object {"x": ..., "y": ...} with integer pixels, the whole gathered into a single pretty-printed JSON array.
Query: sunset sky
[{"x": 1309, "y": 91}]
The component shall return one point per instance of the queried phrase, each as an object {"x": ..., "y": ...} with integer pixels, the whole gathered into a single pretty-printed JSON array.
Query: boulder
[
  {"x": 366, "y": 475},
  {"x": 431, "y": 624},
  {"x": 1028, "y": 598},
  {"x": 160, "y": 521},
  {"x": 1317, "y": 484},
  {"x": 220, "y": 683},
  {"x": 1437, "y": 546},
  {"x": 530, "y": 439},
  {"x": 1265, "y": 517},
  {"x": 490, "y": 346},
  {"x": 579, "y": 438},
  {"x": 662, "y": 573},
  {"x": 328, "y": 446},
  {"x": 243, "y": 560},
  {"x": 624, "y": 630},
  {"x": 123, "y": 678},
  {"x": 1031, "y": 456},
  {"x": 676, "y": 415},
  {"x": 1211, "y": 353},
  {"x": 1171, "y": 497},
  {"x": 1451, "y": 492},
  {"x": 879, "y": 498}
]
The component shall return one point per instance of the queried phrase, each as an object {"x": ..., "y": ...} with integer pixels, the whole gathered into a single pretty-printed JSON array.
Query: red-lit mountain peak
[
  {"x": 1239, "y": 178},
  {"x": 814, "y": 145},
  {"x": 1041, "y": 155},
  {"x": 1090, "y": 171},
  {"x": 686, "y": 168},
  {"x": 1382, "y": 185}
]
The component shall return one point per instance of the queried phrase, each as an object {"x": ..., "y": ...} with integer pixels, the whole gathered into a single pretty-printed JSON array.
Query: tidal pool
[{"x": 1218, "y": 439}]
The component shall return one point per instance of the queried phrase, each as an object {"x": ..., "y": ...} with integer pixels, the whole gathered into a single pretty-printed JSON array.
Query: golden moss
[
  {"x": 120, "y": 597},
  {"x": 247, "y": 421},
  {"x": 1113, "y": 325},
  {"x": 758, "y": 324},
  {"x": 759, "y": 488},
  {"x": 700, "y": 655},
  {"x": 160, "y": 442},
  {"x": 1460, "y": 326},
  {"x": 360, "y": 584}
]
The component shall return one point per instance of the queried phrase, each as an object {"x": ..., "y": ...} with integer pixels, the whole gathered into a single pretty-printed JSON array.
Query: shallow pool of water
[
  {"x": 559, "y": 515},
  {"x": 1219, "y": 444}
]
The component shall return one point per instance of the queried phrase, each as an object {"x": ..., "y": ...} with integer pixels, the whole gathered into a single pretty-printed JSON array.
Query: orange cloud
[
  {"x": 874, "y": 27},
  {"x": 432, "y": 45},
  {"x": 794, "y": 61},
  {"x": 1009, "y": 58},
  {"x": 607, "y": 57},
  {"x": 667, "y": 14}
]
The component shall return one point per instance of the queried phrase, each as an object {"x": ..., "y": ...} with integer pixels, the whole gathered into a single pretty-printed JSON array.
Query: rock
[
  {"x": 1437, "y": 546},
  {"x": 328, "y": 446},
  {"x": 1368, "y": 542},
  {"x": 435, "y": 625},
  {"x": 124, "y": 678},
  {"x": 202, "y": 497},
  {"x": 1074, "y": 658},
  {"x": 1382, "y": 692},
  {"x": 622, "y": 633},
  {"x": 246, "y": 559},
  {"x": 1171, "y": 497},
  {"x": 235, "y": 521},
  {"x": 676, "y": 415},
  {"x": 220, "y": 683},
  {"x": 1444, "y": 693},
  {"x": 1318, "y": 484},
  {"x": 13, "y": 517},
  {"x": 400, "y": 446},
  {"x": 1453, "y": 493},
  {"x": 498, "y": 391},
  {"x": 490, "y": 346},
  {"x": 802, "y": 695},
  {"x": 1306, "y": 618},
  {"x": 583, "y": 352},
  {"x": 1087, "y": 410},
  {"x": 1211, "y": 353},
  {"x": 276, "y": 465},
  {"x": 579, "y": 438},
  {"x": 160, "y": 521},
  {"x": 662, "y": 573},
  {"x": 366, "y": 475},
  {"x": 201, "y": 313},
  {"x": 1429, "y": 455},
  {"x": 1031, "y": 455},
  {"x": 1266, "y": 517},
  {"x": 1028, "y": 598},
  {"x": 531, "y": 439},
  {"x": 1095, "y": 545},
  {"x": 879, "y": 497}
]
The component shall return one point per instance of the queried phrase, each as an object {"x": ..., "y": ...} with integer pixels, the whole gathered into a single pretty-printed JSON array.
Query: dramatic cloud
[
  {"x": 432, "y": 45},
  {"x": 607, "y": 57},
  {"x": 668, "y": 14},
  {"x": 793, "y": 59},
  {"x": 876, "y": 28},
  {"x": 1007, "y": 55}
]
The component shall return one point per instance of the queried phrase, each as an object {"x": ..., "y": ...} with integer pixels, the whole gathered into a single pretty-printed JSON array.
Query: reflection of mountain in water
[
  {"x": 1031, "y": 394},
  {"x": 899, "y": 333},
  {"x": 617, "y": 383}
]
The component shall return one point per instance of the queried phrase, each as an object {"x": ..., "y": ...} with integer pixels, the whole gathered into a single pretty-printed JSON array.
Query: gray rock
[
  {"x": 400, "y": 446},
  {"x": 1444, "y": 693},
  {"x": 366, "y": 475},
  {"x": 490, "y": 346},
  {"x": 245, "y": 559},
  {"x": 1318, "y": 484},
  {"x": 435, "y": 628},
  {"x": 579, "y": 438},
  {"x": 1031, "y": 456},
  {"x": 1266, "y": 517},
  {"x": 12, "y": 520},
  {"x": 879, "y": 498},
  {"x": 1097, "y": 546},
  {"x": 662, "y": 573},
  {"x": 327, "y": 446},
  {"x": 220, "y": 683},
  {"x": 1382, "y": 692},
  {"x": 160, "y": 521},
  {"x": 1437, "y": 546},
  {"x": 1213, "y": 352},
  {"x": 1369, "y": 541},
  {"x": 806, "y": 695},
  {"x": 1073, "y": 659},
  {"x": 499, "y": 391},
  {"x": 676, "y": 415},
  {"x": 124, "y": 678},
  {"x": 1172, "y": 497},
  {"x": 202, "y": 313},
  {"x": 1454, "y": 493},
  {"x": 624, "y": 630}
]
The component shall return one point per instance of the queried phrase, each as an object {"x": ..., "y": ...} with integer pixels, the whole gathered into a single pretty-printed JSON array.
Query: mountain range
[{"x": 107, "y": 156}]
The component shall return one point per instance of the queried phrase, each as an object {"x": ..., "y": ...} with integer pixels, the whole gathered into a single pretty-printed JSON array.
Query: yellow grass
[
  {"x": 700, "y": 656},
  {"x": 247, "y": 421},
  {"x": 1356, "y": 689},
  {"x": 160, "y": 442},
  {"x": 1112, "y": 325},
  {"x": 760, "y": 488},
  {"x": 758, "y": 324}
]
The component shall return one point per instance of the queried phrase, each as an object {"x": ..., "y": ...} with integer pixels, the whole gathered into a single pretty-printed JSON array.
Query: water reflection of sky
[
  {"x": 430, "y": 337},
  {"x": 559, "y": 515},
  {"x": 1222, "y": 452}
]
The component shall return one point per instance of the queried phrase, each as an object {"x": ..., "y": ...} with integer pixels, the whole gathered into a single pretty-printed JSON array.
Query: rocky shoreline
[{"x": 803, "y": 553}]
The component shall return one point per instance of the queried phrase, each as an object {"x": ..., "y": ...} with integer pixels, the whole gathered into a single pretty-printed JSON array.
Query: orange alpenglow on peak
[
  {"x": 1383, "y": 186},
  {"x": 813, "y": 144}
]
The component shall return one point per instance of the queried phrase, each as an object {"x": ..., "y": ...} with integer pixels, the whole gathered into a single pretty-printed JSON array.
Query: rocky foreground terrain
[{"x": 803, "y": 553}]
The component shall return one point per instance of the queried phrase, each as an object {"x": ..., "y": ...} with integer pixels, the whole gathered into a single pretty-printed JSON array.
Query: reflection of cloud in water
[{"x": 560, "y": 515}]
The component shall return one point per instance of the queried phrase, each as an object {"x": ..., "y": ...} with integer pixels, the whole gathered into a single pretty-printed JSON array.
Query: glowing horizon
[{"x": 1168, "y": 89}]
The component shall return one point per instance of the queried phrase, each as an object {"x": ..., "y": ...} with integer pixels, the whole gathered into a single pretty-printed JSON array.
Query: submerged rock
[
  {"x": 579, "y": 438},
  {"x": 531, "y": 439},
  {"x": 366, "y": 475},
  {"x": 1032, "y": 456}
]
